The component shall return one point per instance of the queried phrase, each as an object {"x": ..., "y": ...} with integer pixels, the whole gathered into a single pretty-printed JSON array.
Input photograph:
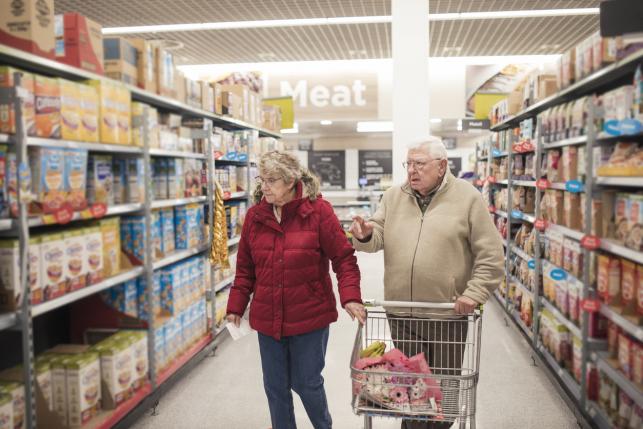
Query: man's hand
[
  {"x": 233, "y": 318},
  {"x": 464, "y": 305},
  {"x": 361, "y": 229},
  {"x": 356, "y": 310}
]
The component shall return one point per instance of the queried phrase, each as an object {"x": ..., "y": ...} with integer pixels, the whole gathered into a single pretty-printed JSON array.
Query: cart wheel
[
  {"x": 155, "y": 409},
  {"x": 533, "y": 361}
]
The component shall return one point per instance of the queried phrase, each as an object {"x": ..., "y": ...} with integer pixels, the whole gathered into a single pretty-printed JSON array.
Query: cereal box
[
  {"x": 639, "y": 290},
  {"x": 176, "y": 178},
  {"x": 608, "y": 278},
  {"x": 59, "y": 385},
  {"x": 625, "y": 355},
  {"x": 635, "y": 223},
  {"x": 172, "y": 339},
  {"x": 83, "y": 388},
  {"x": 43, "y": 376},
  {"x": 143, "y": 307},
  {"x": 157, "y": 235},
  {"x": 100, "y": 180},
  {"x": 35, "y": 283},
  {"x": 139, "y": 118},
  {"x": 167, "y": 225},
  {"x": 117, "y": 370},
  {"x": 141, "y": 365},
  {"x": 119, "y": 172},
  {"x": 76, "y": 264},
  {"x": 108, "y": 110},
  {"x": 124, "y": 114},
  {"x": 17, "y": 393},
  {"x": 94, "y": 254},
  {"x": 170, "y": 283},
  {"x": 53, "y": 261},
  {"x": 70, "y": 110},
  {"x": 6, "y": 411},
  {"x": 48, "y": 177},
  {"x": 110, "y": 230},
  {"x": 126, "y": 235},
  {"x": 7, "y": 113},
  {"x": 628, "y": 287},
  {"x": 47, "y": 102},
  {"x": 89, "y": 113},
  {"x": 9, "y": 275},
  {"x": 4, "y": 182},
  {"x": 621, "y": 217},
  {"x": 159, "y": 348},
  {"x": 571, "y": 211},
  {"x": 135, "y": 192},
  {"x": 138, "y": 236},
  {"x": 159, "y": 167},
  {"x": 76, "y": 178}
]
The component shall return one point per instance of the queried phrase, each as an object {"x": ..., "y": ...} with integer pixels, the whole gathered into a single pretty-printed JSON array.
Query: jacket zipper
[{"x": 417, "y": 244}]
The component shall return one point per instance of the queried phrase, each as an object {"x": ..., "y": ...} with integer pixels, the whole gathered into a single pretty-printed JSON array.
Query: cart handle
[{"x": 407, "y": 304}]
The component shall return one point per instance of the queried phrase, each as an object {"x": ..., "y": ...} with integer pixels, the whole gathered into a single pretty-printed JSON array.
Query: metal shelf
[
  {"x": 620, "y": 250},
  {"x": 7, "y": 320},
  {"x": 636, "y": 182},
  {"x": 631, "y": 389},
  {"x": 111, "y": 211},
  {"x": 48, "y": 306},
  {"x": 92, "y": 147},
  {"x": 234, "y": 241},
  {"x": 525, "y": 183},
  {"x": 6, "y": 224},
  {"x": 222, "y": 285},
  {"x": 500, "y": 154},
  {"x": 178, "y": 202},
  {"x": 598, "y": 415},
  {"x": 568, "y": 232},
  {"x": 503, "y": 182},
  {"x": 575, "y": 330},
  {"x": 568, "y": 380},
  {"x": 179, "y": 256},
  {"x": 518, "y": 251},
  {"x": 34, "y": 63},
  {"x": 176, "y": 154},
  {"x": 524, "y": 288},
  {"x": 184, "y": 359},
  {"x": 499, "y": 298},
  {"x": 581, "y": 88},
  {"x": 558, "y": 186},
  {"x": 625, "y": 324},
  {"x": 237, "y": 196},
  {"x": 580, "y": 140},
  {"x": 501, "y": 213},
  {"x": 529, "y": 218},
  {"x": 230, "y": 162}
]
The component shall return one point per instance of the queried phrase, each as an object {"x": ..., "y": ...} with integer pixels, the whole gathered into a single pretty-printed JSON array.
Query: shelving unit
[
  {"x": 522, "y": 287},
  {"x": 223, "y": 284},
  {"x": 604, "y": 364},
  {"x": 234, "y": 241},
  {"x": 22, "y": 319}
]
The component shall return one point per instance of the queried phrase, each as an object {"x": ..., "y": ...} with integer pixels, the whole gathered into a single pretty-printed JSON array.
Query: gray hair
[
  {"x": 432, "y": 145},
  {"x": 287, "y": 166}
]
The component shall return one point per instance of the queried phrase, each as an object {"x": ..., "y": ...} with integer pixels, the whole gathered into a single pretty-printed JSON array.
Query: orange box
[
  {"x": 89, "y": 113},
  {"x": 47, "y": 96},
  {"x": 7, "y": 112},
  {"x": 70, "y": 110}
]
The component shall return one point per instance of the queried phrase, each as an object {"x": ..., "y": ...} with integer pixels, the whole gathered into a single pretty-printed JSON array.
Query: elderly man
[{"x": 440, "y": 246}]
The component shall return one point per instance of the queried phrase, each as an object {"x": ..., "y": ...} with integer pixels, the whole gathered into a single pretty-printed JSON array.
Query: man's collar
[{"x": 434, "y": 190}]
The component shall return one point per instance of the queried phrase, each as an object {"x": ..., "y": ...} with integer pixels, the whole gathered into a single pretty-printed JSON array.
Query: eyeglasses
[
  {"x": 270, "y": 181},
  {"x": 418, "y": 165}
]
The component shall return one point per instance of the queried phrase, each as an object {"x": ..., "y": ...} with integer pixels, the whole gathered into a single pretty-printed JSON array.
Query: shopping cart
[{"x": 443, "y": 391}]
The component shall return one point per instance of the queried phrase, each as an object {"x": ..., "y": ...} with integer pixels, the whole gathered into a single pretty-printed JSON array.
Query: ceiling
[{"x": 521, "y": 36}]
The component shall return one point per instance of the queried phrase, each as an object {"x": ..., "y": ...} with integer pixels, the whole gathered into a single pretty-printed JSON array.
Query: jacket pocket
[{"x": 316, "y": 290}]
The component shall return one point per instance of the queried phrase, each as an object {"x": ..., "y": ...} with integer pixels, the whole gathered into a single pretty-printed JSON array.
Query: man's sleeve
[{"x": 376, "y": 242}]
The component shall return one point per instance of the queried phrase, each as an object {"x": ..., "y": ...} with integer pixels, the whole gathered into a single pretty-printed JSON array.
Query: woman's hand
[
  {"x": 233, "y": 318},
  {"x": 356, "y": 310}
]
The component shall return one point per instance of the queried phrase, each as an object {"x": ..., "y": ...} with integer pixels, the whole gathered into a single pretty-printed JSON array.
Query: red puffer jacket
[{"x": 286, "y": 267}]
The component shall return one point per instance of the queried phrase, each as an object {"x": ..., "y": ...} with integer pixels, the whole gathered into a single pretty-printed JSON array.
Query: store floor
[{"x": 226, "y": 391}]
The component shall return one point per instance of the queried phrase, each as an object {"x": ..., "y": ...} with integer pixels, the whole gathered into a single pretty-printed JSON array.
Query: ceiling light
[
  {"x": 293, "y": 130},
  {"x": 436, "y": 120},
  {"x": 375, "y": 127},
  {"x": 326, "y": 122},
  {"x": 344, "y": 20}
]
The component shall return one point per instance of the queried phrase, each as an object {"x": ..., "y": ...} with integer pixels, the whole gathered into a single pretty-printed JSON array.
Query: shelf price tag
[
  {"x": 630, "y": 127},
  {"x": 492, "y": 209},
  {"x": 541, "y": 224},
  {"x": 98, "y": 210},
  {"x": 64, "y": 215},
  {"x": 218, "y": 155},
  {"x": 231, "y": 156},
  {"x": 574, "y": 186},
  {"x": 532, "y": 264},
  {"x": 558, "y": 274},
  {"x": 543, "y": 184},
  {"x": 479, "y": 182},
  {"x": 591, "y": 242},
  {"x": 516, "y": 214},
  {"x": 227, "y": 195},
  {"x": 491, "y": 179},
  {"x": 591, "y": 305},
  {"x": 496, "y": 152}
]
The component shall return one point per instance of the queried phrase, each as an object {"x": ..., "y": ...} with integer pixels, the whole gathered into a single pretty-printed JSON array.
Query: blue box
[
  {"x": 160, "y": 349},
  {"x": 126, "y": 235},
  {"x": 124, "y": 298},
  {"x": 170, "y": 289},
  {"x": 167, "y": 227},
  {"x": 143, "y": 306},
  {"x": 157, "y": 235}
]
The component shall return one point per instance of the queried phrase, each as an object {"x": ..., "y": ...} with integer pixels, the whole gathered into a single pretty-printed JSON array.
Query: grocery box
[
  {"x": 137, "y": 226},
  {"x": 146, "y": 70},
  {"x": 180, "y": 85},
  {"x": 90, "y": 112},
  {"x": 141, "y": 364},
  {"x": 108, "y": 110},
  {"x": 7, "y": 112},
  {"x": 83, "y": 388},
  {"x": 159, "y": 171},
  {"x": 188, "y": 221},
  {"x": 628, "y": 287},
  {"x": 157, "y": 235},
  {"x": 176, "y": 178},
  {"x": 218, "y": 98},
  {"x": 170, "y": 283},
  {"x": 232, "y": 105},
  {"x": 194, "y": 93},
  {"x": 608, "y": 279},
  {"x": 135, "y": 191},
  {"x": 70, "y": 110},
  {"x": 119, "y": 173},
  {"x": 9, "y": 275},
  {"x": 160, "y": 353},
  {"x": 100, "y": 180},
  {"x": 53, "y": 261},
  {"x": 167, "y": 225},
  {"x": 76, "y": 269},
  {"x": 165, "y": 73},
  {"x": 635, "y": 223},
  {"x": 47, "y": 107},
  {"x": 34, "y": 275},
  {"x": 124, "y": 114},
  {"x": 17, "y": 393},
  {"x": 29, "y": 26},
  {"x": 110, "y": 231},
  {"x": 121, "y": 60},
  {"x": 48, "y": 177},
  {"x": 43, "y": 377},
  {"x": 76, "y": 178},
  {"x": 207, "y": 94},
  {"x": 79, "y": 42},
  {"x": 94, "y": 254},
  {"x": 243, "y": 94},
  {"x": 139, "y": 118},
  {"x": 126, "y": 235},
  {"x": 117, "y": 367},
  {"x": 59, "y": 385},
  {"x": 143, "y": 306}
]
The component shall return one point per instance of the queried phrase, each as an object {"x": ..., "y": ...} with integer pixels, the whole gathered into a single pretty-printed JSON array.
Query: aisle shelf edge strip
[{"x": 631, "y": 389}]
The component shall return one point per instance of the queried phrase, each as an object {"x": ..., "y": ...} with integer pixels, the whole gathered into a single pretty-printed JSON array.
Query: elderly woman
[{"x": 287, "y": 241}]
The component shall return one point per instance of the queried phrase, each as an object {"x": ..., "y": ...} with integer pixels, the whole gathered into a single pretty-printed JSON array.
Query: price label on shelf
[
  {"x": 558, "y": 274},
  {"x": 574, "y": 186},
  {"x": 540, "y": 224},
  {"x": 98, "y": 210},
  {"x": 496, "y": 152},
  {"x": 243, "y": 157},
  {"x": 591, "y": 305},
  {"x": 492, "y": 209},
  {"x": 630, "y": 127},
  {"x": 543, "y": 184},
  {"x": 491, "y": 179},
  {"x": 64, "y": 215},
  {"x": 591, "y": 242},
  {"x": 227, "y": 195},
  {"x": 516, "y": 214},
  {"x": 479, "y": 182},
  {"x": 532, "y": 264}
]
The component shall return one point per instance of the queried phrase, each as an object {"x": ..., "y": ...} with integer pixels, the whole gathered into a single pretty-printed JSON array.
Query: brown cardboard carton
[
  {"x": 147, "y": 63},
  {"x": 82, "y": 42},
  {"x": 207, "y": 93},
  {"x": 194, "y": 94},
  {"x": 180, "y": 85},
  {"x": 121, "y": 60},
  {"x": 28, "y": 25},
  {"x": 571, "y": 213},
  {"x": 243, "y": 92},
  {"x": 570, "y": 163},
  {"x": 218, "y": 99},
  {"x": 165, "y": 73},
  {"x": 232, "y": 105}
]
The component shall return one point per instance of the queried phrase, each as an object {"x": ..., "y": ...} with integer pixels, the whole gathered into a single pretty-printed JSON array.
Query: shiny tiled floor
[{"x": 226, "y": 391}]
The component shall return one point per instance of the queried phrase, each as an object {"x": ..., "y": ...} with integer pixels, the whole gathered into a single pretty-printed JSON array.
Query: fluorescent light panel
[
  {"x": 326, "y": 122},
  {"x": 375, "y": 127},
  {"x": 344, "y": 20}
]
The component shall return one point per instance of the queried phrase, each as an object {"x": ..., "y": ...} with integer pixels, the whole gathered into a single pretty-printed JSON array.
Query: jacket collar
[{"x": 300, "y": 206}]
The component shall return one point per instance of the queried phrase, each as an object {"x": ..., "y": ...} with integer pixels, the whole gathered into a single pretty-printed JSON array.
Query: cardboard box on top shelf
[
  {"x": 604, "y": 51},
  {"x": 147, "y": 73},
  {"x": 180, "y": 85},
  {"x": 232, "y": 105},
  {"x": 28, "y": 25},
  {"x": 7, "y": 118},
  {"x": 165, "y": 71},
  {"x": 79, "y": 42},
  {"x": 568, "y": 72},
  {"x": 194, "y": 93},
  {"x": 243, "y": 92},
  {"x": 121, "y": 60},
  {"x": 545, "y": 86},
  {"x": 218, "y": 98},
  {"x": 207, "y": 94}
]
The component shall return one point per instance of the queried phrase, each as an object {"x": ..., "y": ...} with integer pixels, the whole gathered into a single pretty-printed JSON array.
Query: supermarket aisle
[{"x": 226, "y": 392}]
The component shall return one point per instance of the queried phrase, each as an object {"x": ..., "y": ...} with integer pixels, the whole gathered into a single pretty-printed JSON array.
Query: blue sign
[
  {"x": 243, "y": 157},
  {"x": 612, "y": 127},
  {"x": 516, "y": 214},
  {"x": 558, "y": 274},
  {"x": 574, "y": 186},
  {"x": 630, "y": 127},
  {"x": 231, "y": 156},
  {"x": 496, "y": 152},
  {"x": 532, "y": 264}
]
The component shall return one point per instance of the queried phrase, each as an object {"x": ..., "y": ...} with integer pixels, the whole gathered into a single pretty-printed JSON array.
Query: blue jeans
[{"x": 295, "y": 363}]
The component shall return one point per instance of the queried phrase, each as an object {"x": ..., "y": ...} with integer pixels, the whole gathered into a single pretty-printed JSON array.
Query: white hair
[{"x": 432, "y": 145}]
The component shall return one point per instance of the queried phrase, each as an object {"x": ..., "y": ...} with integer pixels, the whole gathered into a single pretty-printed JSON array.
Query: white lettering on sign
[
  {"x": 319, "y": 95},
  {"x": 322, "y": 96},
  {"x": 300, "y": 92}
]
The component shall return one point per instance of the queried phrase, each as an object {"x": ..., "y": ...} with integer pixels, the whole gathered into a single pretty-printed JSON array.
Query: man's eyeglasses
[
  {"x": 418, "y": 165},
  {"x": 270, "y": 181}
]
